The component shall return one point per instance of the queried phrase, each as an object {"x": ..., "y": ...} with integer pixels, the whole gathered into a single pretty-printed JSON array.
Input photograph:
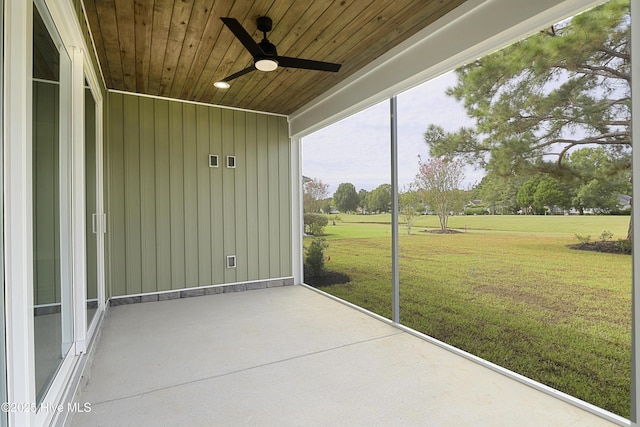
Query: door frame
[{"x": 18, "y": 203}]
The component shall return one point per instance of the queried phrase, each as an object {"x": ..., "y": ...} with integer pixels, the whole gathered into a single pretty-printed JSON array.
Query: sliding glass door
[
  {"x": 93, "y": 219},
  {"x": 52, "y": 251}
]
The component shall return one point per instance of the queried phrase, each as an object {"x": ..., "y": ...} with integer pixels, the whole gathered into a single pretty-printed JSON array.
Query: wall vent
[
  {"x": 213, "y": 160},
  {"x": 231, "y": 162},
  {"x": 231, "y": 261}
]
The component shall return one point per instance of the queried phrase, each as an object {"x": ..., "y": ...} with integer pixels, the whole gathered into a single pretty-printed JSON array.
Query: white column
[
  {"x": 297, "y": 223},
  {"x": 18, "y": 221},
  {"x": 395, "y": 256}
]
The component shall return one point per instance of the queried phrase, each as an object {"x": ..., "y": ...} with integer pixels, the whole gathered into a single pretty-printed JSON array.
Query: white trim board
[
  {"x": 164, "y": 98},
  {"x": 18, "y": 221}
]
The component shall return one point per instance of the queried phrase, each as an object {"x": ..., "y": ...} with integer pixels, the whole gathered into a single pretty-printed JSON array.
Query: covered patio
[
  {"x": 292, "y": 356},
  {"x": 139, "y": 198}
]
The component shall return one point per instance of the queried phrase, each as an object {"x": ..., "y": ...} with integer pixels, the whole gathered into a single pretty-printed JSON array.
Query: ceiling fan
[{"x": 265, "y": 56}]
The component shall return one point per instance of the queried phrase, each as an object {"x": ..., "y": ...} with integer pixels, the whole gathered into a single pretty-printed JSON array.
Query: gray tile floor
[{"x": 290, "y": 356}]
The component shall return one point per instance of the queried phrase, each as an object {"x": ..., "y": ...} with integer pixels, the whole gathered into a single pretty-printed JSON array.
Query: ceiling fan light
[
  {"x": 266, "y": 64},
  {"x": 222, "y": 85}
]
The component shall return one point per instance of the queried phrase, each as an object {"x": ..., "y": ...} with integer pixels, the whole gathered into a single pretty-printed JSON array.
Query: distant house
[
  {"x": 476, "y": 207},
  {"x": 624, "y": 201}
]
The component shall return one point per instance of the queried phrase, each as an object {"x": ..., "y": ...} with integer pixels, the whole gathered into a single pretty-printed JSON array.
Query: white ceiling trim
[
  {"x": 186, "y": 101},
  {"x": 474, "y": 29}
]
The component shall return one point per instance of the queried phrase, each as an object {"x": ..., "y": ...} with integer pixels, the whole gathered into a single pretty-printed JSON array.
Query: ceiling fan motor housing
[
  {"x": 267, "y": 62},
  {"x": 264, "y": 24},
  {"x": 268, "y": 48}
]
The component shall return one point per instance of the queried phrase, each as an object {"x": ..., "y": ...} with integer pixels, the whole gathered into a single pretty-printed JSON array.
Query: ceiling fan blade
[
  {"x": 244, "y": 37},
  {"x": 239, "y": 74},
  {"x": 307, "y": 64}
]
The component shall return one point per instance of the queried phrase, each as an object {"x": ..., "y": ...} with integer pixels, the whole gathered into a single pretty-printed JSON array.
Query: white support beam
[
  {"x": 297, "y": 223},
  {"x": 395, "y": 246},
  {"x": 18, "y": 218}
]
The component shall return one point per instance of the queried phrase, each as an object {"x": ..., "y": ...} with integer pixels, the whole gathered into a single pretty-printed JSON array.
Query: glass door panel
[
  {"x": 91, "y": 210},
  {"x": 53, "y": 313}
]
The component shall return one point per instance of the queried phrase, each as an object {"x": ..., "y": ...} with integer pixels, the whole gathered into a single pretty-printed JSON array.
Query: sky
[{"x": 357, "y": 149}]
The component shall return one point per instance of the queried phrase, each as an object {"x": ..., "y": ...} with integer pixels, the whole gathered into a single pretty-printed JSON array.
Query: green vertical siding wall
[{"x": 173, "y": 220}]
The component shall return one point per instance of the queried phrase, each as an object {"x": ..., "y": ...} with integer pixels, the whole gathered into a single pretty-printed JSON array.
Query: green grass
[
  {"x": 584, "y": 225},
  {"x": 509, "y": 290}
]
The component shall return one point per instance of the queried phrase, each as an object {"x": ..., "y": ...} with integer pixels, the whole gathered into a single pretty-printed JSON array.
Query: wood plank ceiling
[{"x": 179, "y": 48}]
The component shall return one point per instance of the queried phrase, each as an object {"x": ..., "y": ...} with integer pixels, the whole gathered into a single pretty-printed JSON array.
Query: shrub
[
  {"x": 606, "y": 235},
  {"x": 620, "y": 212},
  {"x": 624, "y": 246},
  {"x": 475, "y": 211},
  {"x": 314, "y": 257},
  {"x": 583, "y": 239},
  {"x": 314, "y": 224},
  {"x": 335, "y": 218}
]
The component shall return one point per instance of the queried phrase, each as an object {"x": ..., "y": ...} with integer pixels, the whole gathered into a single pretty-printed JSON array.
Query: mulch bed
[
  {"x": 327, "y": 279},
  {"x": 439, "y": 231},
  {"x": 610, "y": 247}
]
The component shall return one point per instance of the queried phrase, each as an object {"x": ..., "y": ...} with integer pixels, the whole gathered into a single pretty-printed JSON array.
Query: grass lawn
[
  {"x": 561, "y": 225},
  {"x": 509, "y": 290}
]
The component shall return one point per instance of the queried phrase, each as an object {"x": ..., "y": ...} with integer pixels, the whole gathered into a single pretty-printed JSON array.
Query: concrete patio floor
[{"x": 290, "y": 356}]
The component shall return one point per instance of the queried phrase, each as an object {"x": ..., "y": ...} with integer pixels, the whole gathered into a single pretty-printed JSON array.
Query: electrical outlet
[
  {"x": 231, "y": 261},
  {"x": 231, "y": 162}
]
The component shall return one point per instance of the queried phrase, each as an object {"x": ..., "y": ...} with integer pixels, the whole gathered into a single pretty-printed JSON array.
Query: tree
[
  {"x": 543, "y": 97},
  {"x": 315, "y": 223},
  {"x": 597, "y": 194},
  {"x": 345, "y": 198},
  {"x": 500, "y": 193},
  {"x": 314, "y": 257},
  {"x": 326, "y": 206},
  {"x": 526, "y": 195},
  {"x": 598, "y": 179},
  {"x": 379, "y": 200},
  {"x": 438, "y": 180},
  {"x": 549, "y": 194},
  {"x": 314, "y": 193},
  {"x": 409, "y": 206},
  {"x": 362, "y": 200}
]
